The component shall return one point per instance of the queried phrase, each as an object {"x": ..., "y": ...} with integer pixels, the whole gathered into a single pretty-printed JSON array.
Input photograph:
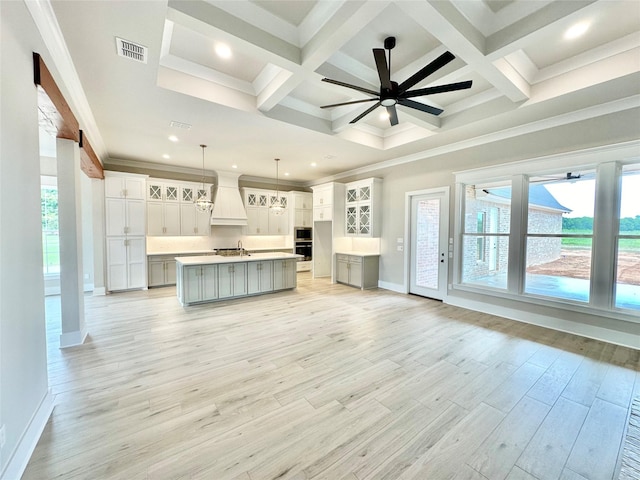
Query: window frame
[{"x": 607, "y": 161}]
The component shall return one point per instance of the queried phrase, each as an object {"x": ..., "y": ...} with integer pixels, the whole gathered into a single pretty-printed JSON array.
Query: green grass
[
  {"x": 51, "y": 252},
  {"x": 625, "y": 243}
]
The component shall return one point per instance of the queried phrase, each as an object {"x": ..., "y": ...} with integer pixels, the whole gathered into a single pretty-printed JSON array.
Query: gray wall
[{"x": 23, "y": 363}]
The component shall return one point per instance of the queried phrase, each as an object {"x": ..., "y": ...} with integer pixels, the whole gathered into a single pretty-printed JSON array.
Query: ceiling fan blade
[
  {"x": 383, "y": 69},
  {"x": 355, "y": 87},
  {"x": 424, "y": 72},
  {"x": 437, "y": 89},
  {"x": 420, "y": 106},
  {"x": 393, "y": 115},
  {"x": 349, "y": 103},
  {"x": 365, "y": 113}
]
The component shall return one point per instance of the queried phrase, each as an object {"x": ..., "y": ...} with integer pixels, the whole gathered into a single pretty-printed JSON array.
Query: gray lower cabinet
[
  {"x": 232, "y": 280},
  {"x": 260, "y": 277},
  {"x": 284, "y": 274},
  {"x": 161, "y": 270},
  {"x": 357, "y": 270},
  {"x": 199, "y": 283}
]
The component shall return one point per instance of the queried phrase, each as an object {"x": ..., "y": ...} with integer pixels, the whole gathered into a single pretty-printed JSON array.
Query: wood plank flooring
[{"x": 328, "y": 382}]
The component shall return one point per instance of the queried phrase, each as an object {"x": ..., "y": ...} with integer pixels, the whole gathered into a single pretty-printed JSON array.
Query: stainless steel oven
[
  {"x": 302, "y": 234},
  {"x": 304, "y": 248}
]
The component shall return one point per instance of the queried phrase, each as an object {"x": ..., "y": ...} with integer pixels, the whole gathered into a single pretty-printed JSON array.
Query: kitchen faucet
[{"x": 240, "y": 246}]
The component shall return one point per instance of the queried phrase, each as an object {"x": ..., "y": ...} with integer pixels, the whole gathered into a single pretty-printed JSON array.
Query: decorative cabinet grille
[{"x": 362, "y": 208}]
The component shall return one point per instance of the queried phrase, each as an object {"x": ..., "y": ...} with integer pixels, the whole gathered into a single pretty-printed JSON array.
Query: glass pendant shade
[
  {"x": 202, "y": 203},
  {"x": 276, "y": 207}
]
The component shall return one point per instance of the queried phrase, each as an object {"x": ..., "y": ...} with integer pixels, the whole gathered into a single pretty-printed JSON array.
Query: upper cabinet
[
  {"x": 124, "y": 186},
  {"x": 261, "y": 219},
  {"x": 171, "y": 210},
  {"x": 302, "y": 203},
  {"x": 362, "y": 208}
]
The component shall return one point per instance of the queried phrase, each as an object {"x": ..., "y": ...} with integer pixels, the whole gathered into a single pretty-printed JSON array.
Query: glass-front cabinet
[{"x": 362, "y": 208}]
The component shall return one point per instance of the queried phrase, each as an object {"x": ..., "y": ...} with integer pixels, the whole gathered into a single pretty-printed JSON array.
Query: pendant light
[
  {"x": 202, "y": 202},
  {"x": 276, "y": 207}
]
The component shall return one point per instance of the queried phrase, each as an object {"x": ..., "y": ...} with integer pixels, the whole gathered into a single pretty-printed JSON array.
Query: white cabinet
[
  {"x": 302, "y": 203},
  {"x": 124, "y": 186},
  {"x": 162, "y": 270},
  {"x": 259, "y": 277},
  {"x": 126, "y": 263},
  {"x": 193, "y": 221},
  {"x": 124, "y": 216},
  {"x": 284, "y": 274},
  {"x": 198, "y": 283},
  {"x": 232, "y": 280},
  {"x": 125, "y": 226},
  {"x": 262, "y": 220},
  {"x": 163, "y": 218},
  {"x": 323, "y": 203},
  {"x": 163, "y": 190},
  {"x": 171, "y": 211},
  {"x": 357, "y": 270},
  {"x": 362, "y": 208}
]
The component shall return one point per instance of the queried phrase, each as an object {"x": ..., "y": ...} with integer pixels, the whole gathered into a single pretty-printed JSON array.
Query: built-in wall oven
[{"x": 303, "y": 242}]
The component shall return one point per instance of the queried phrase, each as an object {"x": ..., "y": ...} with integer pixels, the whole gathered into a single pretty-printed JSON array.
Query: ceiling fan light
[{"x": 388, "y": 102}]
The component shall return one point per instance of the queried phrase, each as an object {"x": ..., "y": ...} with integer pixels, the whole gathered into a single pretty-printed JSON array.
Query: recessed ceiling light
[
  {"x": 222, "y": 50},
  {"x": 166, "y": 156},
  {"x": 234, "y": 166},
  {"x": 313, "y": 164},
  {"x": 286, "y": 174},
  {"x": 576, "y": 30},
  {"x": 173, "y": 138}
]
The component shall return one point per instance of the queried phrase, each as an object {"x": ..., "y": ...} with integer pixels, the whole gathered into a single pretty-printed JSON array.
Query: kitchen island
[{"x": 212, "y": 278}]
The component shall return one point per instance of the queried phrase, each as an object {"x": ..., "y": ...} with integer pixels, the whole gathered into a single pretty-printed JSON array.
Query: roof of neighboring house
[{"x": 538, "y": 195}]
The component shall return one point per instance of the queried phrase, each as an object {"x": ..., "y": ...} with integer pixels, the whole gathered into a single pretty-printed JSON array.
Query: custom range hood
[{"x": 228, "y": 208}]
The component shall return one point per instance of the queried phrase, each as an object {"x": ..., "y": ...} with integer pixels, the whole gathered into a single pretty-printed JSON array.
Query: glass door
[{"x": 428, "y": 245}]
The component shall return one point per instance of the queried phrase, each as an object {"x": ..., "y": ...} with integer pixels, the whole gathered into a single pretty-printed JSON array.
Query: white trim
[
  {"x": 555, "y": 323},
  {"x": 73, "y": 339},
  {"x": 99, "y": 291},
  {"x": 18, "y": 461},
  {"x": 585, "y": 158},
  {"x": 445, "y": 191},
  {"x": 394, "y": 287}
]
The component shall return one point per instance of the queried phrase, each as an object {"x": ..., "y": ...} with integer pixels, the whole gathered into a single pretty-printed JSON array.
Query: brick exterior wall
[
  {"x": 427, "y": 243},
  {"x": 477, "y": 265}
]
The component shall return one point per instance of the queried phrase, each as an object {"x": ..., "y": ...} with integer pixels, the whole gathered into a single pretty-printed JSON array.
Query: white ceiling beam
[
  {"x": 352, "y": 17},
  {"x": 447, "y": 24}
]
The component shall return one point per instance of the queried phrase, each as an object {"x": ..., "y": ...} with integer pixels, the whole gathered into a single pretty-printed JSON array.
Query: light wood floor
[{"x": 328, "y": 382}]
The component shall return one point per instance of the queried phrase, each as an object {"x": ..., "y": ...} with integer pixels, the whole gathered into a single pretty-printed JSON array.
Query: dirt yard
[{"x": 576, "y": 263}]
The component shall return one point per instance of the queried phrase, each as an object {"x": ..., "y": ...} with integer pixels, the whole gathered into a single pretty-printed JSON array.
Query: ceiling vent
[
  {"x": 184, "y": 126},
  {"x": 131, "y": 50}
]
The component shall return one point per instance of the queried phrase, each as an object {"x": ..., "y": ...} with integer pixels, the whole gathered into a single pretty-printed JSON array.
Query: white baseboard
[
  {"x": 553, "y": 322},
  {"x": 20, "y": 458},
  {"x": 73, "y": 339},
  {"x": 394, "y": 287},
  {"x": 99, "y": 291}
]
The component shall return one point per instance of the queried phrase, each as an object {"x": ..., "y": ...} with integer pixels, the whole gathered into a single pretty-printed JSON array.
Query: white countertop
[
  {"x": 215, "y": 259},
  {"x": 357, "y": 254},
  {"x": 182, "y": 252},
  {"x": 210, "y": 251}
]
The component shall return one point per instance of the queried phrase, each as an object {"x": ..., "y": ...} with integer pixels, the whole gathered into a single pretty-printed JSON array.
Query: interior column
[{"x": 70, "y": 228}]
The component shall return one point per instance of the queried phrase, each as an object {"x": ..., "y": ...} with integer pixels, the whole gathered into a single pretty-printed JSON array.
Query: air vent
[
  {"x": 184, "y": 126},
  {"x": 131, "y": 50}
]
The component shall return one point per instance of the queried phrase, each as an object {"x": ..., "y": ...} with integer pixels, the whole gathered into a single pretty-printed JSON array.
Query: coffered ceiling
[{"x": 264, "y": 100}]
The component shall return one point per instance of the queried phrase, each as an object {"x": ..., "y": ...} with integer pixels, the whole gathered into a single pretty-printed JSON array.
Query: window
[
  {"x": 50, "y": 237},
  {"x": 560, "y": 235},
  {"x": 628, "y": 242},
  {"x": 486, "y": 234}
]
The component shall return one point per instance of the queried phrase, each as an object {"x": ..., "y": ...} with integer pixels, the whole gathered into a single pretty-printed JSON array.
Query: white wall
[{"x": 23, "y": 363}]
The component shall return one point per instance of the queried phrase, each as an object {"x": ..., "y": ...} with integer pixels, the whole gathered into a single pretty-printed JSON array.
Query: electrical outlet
[
  {"x": 400, "y": 248},
  {"x": 3, "y": 436}
]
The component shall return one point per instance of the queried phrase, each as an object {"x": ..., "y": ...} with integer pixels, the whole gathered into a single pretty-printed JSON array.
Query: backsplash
[{"x": 221, "y": 237}]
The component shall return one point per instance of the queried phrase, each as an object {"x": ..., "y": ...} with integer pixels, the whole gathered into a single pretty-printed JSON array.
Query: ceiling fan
[{"x": 392, "y": 94}]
